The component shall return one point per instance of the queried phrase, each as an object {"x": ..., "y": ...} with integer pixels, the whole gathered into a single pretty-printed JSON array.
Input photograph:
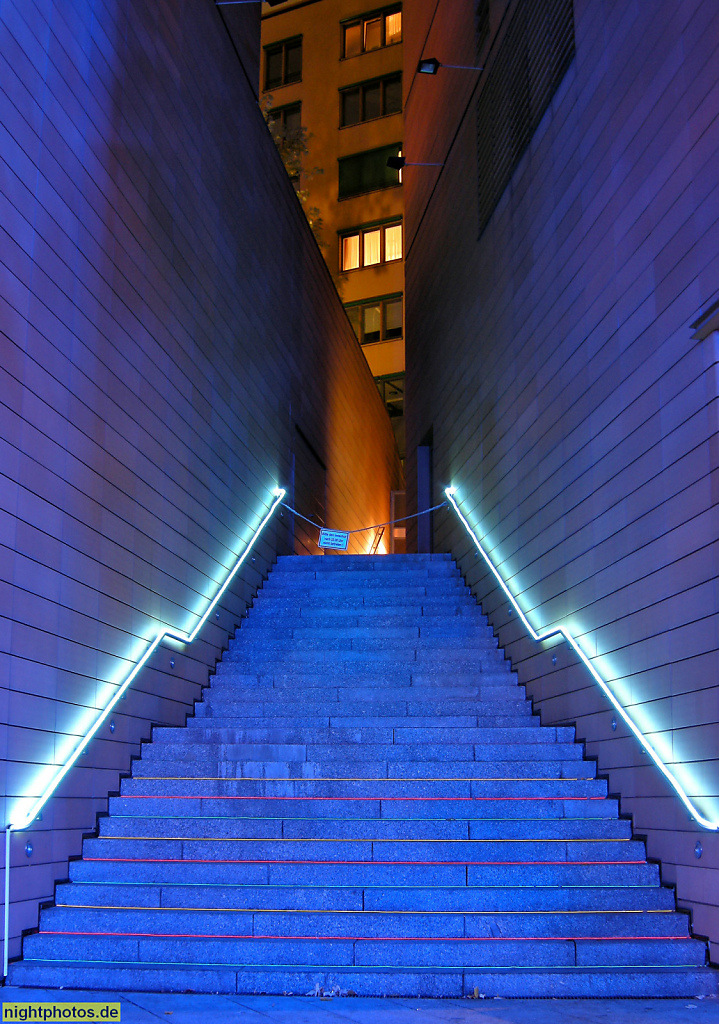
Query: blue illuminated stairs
[{"x": 365, "y": 800}]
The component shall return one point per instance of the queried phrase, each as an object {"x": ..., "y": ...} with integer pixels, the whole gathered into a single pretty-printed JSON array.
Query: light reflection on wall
[{"x": 656, "y": 739}]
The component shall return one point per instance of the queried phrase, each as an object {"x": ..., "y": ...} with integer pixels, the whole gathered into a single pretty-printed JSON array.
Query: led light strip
[
  {"x": 166, "y": 634},
  {"x": 706, "y": 823}
]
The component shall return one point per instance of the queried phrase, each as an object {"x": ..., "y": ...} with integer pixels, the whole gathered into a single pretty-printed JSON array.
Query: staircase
[{"x": 365, "y": 801}]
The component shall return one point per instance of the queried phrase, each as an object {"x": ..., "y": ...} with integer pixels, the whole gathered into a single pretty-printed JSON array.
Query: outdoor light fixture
[
  {"x": 398, "y": 162},
  {"x": 430, "y": 66}
]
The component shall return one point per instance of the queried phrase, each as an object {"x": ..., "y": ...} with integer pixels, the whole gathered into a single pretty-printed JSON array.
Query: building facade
[
  {"x": 562, "y": 291},
  {"x": 331, "y": 78},
  {"x": 161, "y": 373}
]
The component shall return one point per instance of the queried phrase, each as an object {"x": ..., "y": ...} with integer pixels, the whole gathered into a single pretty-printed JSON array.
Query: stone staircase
[{"x": 365, "y": 802}]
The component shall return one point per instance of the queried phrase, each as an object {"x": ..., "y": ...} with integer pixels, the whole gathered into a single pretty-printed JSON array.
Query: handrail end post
[{"x": 6, "y": 914}]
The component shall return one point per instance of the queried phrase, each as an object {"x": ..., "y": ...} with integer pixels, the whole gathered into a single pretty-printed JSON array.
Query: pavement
[{"x": 146, "y": 1007}]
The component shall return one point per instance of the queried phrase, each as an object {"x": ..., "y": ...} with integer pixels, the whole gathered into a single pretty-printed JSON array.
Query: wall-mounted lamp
[
  {"x": 398, "y": 162},
  {"x": 430, "y": 66}
]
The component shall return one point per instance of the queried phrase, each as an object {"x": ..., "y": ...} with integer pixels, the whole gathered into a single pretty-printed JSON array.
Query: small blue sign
[{"x": 336, "y": 539}]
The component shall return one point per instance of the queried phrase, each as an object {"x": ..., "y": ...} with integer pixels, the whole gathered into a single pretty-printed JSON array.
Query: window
[
  {"x": 366, "y": 247},
  {"x": 372, "y": 32},
  {"x": 391, "y": 388},
  {"x": 283, "y": 63},
  {"x": 285, "y": 124},
  {"x": 376, "y": 320},
  {"x": 368, "y": 171},
  {"x": 371, "y": 99}
]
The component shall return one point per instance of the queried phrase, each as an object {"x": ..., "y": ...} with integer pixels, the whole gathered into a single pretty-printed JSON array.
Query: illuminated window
[
  {"x": 283, "y": 63},
  {"x": 393, "y": 243},
  {"x": 368, "y": 171},
  {"x": 393, "y": 28},
  {"x": 376, "y": 320},
  {"x": 371, "y": 99},
  {"x": 372, "y": 32},
  {"x": 371, "y": 240},
  {"x": 350, "y": 252},
  {"x": 367, "y": 247}
]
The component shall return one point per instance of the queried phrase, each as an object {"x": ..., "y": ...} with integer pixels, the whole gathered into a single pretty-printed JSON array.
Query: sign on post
[{"x": 336, "y": 539}]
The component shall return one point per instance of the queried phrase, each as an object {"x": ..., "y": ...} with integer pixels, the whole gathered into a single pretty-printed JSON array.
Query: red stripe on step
[
  {"x": 380, "y": 863},
  {"x": 406, "y": 799},
  {"x": 382, "y": 938}
]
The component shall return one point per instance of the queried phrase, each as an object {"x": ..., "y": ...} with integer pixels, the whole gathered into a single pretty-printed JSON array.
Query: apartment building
[{"x": 331, "y": 77}]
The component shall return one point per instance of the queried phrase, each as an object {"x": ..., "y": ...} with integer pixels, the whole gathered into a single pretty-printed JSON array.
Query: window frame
[
  {"x": 277, "y": 113},
  {"x": 382, "y": 80},
  {"x": 381, "y": 301},
  {"x": 281, "y": 45},
  {"x": 360, "y": 232},
  {"x": 393, "y": 149},
  {"x": 361, "y": 20},
  {"x": 393, "y": 405}
]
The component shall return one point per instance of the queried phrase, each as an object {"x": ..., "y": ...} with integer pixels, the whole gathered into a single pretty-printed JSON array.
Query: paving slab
[{"x": 177, "y": 1008}]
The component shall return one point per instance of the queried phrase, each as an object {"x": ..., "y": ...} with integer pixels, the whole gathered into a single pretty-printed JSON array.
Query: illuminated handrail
[
  {"x": 706, "y": 823},
  {"x": 165, "y": 634}
]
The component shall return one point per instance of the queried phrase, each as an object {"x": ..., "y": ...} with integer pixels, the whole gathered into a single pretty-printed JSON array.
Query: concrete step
[
  {"x": 576, "y": 982},
  {"x": 350, "y": 950},
  {"x": 404, "y": 924},
  {"x": 362, "y": 873},
  {"x": 215, "y": 718},
  {"x": 369, "y": 851},
  {"x": 368, "y": 585},
  {"x": 209, "y": 731},
  {"x": 154, "y": 765},
  {"x": 436, "y": 563},
  {"x": 360, "y": 752},
  {"x": 441, "y": 582},
  {"x": 461, "y": 790},
  {"x": 215, "y": 704},
  {"x": 362, "y": 808},
  {"x": 460, "y": 899},
  {"x": 289, "y": 614},
  {"x": 314, "y": 601},
  {"x": 369, "y": 654},
  {"x": 362, "y": 683},
  {"x": 366, "y": 829},
  {"x": 400, "y": 640},
  {"x": 315, "y": 604}
]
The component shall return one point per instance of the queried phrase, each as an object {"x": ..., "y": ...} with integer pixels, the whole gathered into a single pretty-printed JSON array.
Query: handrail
[
  {"x": 165, "y": 634},
  {"x": 706, "y": 823}
]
